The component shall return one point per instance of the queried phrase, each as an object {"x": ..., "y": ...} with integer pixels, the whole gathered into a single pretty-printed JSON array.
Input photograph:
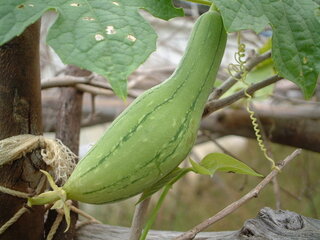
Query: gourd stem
[
  {"x": 213, "y": 7},
  {"x": 203, "y": 2}
]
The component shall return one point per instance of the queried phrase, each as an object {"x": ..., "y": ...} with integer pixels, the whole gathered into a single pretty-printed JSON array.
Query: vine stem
[
  {"x": 155, "y": 212},
  {"x": 161, "y": 199},
  {"x": 203, "y": 2},
  {"x": 213, "y": 7}
]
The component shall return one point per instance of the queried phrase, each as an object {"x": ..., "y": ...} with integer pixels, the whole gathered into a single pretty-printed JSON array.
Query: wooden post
[
  {"x": 68, "y": 131},
  {"x": 20, "y": 113}
]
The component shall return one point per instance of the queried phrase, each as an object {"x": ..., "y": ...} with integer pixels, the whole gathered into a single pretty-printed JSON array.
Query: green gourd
[{"x": 157, "y": 131}]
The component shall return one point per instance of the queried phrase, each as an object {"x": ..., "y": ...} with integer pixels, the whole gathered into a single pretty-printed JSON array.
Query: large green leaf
[
  {"x": 221, "y": 162},
  {"x": 108, "y": 37},
  {"x": 296, "y": 34}
]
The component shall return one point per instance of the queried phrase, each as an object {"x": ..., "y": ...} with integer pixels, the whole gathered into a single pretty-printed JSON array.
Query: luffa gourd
[{"x": 157, "y": 131}]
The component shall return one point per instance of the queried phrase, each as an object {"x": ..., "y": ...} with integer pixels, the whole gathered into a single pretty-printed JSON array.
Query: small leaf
[
  {"x": 52, "y": 184},
  {"x": 197, "y": 168},
  {"x": 58, "y": 204},
  {"x": 67, "y": 216},
  {"x": 224, "y": 163},
  {"x": 168, "y": 179}
]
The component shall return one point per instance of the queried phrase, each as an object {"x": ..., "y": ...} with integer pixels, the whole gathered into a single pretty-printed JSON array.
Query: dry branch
[
  {"x": 139, "y": 219},
  {"x": 214, "y": 105},
  {"x": 293, "y": 125},
  {"x": 235, "y": 205},
  {"x": 89, "y": 84}
]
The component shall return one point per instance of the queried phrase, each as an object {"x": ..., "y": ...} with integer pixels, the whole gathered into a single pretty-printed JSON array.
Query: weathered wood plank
[
  {"x": 268, "y": 225},
  {"x": 108, "y": 232}
]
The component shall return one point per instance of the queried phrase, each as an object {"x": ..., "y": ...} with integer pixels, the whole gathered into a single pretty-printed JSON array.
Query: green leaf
[
  {"x": 317, "y": 1},
  {"x": 242, "y": 14},
  {"x": 296, "y": 34},
  {"x": 197, "y": 168},
  {"x": 108, "y": 37},
  {"x": 224, "y": 163},
  {"x": 171, "y": 178}
]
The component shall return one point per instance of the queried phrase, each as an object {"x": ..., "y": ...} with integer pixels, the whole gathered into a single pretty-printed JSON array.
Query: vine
[{"x": 203, "y": 2}]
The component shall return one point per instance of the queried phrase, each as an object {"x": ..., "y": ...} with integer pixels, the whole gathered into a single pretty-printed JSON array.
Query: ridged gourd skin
[{"x": 157, "y": 131}]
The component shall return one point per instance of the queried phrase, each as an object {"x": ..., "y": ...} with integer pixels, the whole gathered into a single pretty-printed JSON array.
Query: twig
[
  {"x": 222, "y": 148},
  {"x": 155, "y": 211},
  {"x": 84, "y": 84},
  {"x": 290, "y": 194},
  {"x": 148, "y": 71},
  {"x": 214, "y": 105},
  {"x": 93, "y": 90},
  {"x": 84, "y": 214},
  {"x": 81, "y": 224},
  {"x": 277, "y": 195},
  {"x": 226, "y": 85},
  {"x": 139, "y": 219},
  {"x": 235, "y": 205},
  {"x": 65, "y": 81}
]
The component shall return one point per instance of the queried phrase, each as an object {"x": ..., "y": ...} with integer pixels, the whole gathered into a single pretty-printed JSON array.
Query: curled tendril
[
  {"x": 239, "y": 68},
  {"x": 257, "y": 131}
]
